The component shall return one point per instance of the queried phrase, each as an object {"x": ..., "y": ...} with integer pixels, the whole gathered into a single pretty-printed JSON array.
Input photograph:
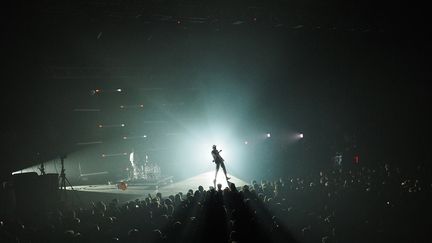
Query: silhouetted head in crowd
[
  {"x": 134, "y": 235},
  {"x": 219, "y": 186}
]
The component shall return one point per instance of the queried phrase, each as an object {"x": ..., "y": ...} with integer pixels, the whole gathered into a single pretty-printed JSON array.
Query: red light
[{"x": 356, "y": 159}]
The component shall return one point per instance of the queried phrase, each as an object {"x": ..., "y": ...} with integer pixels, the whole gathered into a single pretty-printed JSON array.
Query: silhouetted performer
[{"x": 219, "y": 163}]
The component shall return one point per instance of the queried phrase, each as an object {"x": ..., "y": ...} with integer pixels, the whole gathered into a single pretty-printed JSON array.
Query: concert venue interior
[{"x": 318, "y": 110}]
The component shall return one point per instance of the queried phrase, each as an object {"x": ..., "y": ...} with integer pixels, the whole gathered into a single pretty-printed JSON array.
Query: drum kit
[
  {"x": 149, "y": 171},
  {"x": 144, "y": 170}
]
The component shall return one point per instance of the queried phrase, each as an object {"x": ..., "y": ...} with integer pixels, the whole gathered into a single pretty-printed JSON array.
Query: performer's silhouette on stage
[{"x": 219, "y": 163}]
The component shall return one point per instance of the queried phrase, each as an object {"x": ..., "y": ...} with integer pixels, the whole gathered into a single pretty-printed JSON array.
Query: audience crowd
[{"x": 359, "y": 204}]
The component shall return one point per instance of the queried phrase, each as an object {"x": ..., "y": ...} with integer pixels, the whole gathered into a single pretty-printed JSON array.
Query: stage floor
[{"x": 88, "y": 193}]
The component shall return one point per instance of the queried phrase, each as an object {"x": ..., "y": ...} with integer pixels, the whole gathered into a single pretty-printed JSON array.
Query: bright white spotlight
[
  {"x": 122, "y": 124},
  {"x": 300, "y": 135},
  {"x": 144, "y": 136},
  {"x": 246, "y": 142},
  {"x": 268, "y": 135},
  {"x": 119, "y": 90}
]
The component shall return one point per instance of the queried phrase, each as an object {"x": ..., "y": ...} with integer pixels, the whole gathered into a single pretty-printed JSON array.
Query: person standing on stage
[
  {"x": 137, "y": 164},
  {"x": 217, "y": 158},
  {"x": 133, "y": 169}
]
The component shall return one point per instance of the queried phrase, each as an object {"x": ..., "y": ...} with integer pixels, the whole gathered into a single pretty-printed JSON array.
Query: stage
[{"x": 87, "y": 193}]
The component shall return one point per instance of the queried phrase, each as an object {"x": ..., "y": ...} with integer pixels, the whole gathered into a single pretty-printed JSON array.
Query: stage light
[
  {"x": 100, "y": 125},
  {"x": 268, "y": 135},
  {"x": 300, "y": 135},
  {"x": 88, "y": 143},
  {"x": 246, "y": 142},
  {"x": 124, "y": 137},
  {"x": 119, "y": 90},
  {"x": 144, "y": 136},
  {"x": 122, "y": 124},
  {"x": 122, "y": 106},
  {"x": 103, "y": 155},
  {"x": 97, "y": 90},
  {"x": 356, "y": 159},
  {"x": 141, "y": 106}
]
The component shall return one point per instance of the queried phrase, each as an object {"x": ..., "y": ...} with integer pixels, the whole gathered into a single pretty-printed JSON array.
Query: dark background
[{"x": 342, "y": 72}]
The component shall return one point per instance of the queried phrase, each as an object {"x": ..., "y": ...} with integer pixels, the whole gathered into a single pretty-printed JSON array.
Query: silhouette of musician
[{"x": 217, "y": 158}]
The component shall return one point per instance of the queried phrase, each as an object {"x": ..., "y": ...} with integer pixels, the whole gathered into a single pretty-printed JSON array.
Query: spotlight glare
[
  {"x": 100, "y": 125},
  {"x": 119, "y": 90},
  {"x": 122, "y": 124},
  {"x": 301, "y": 135},
  {"x": 246, "y": 142},
  {"x": 268, "y": 135},
  {"x": 144, "y": 136},
  {"x": 124, "y": 137}
]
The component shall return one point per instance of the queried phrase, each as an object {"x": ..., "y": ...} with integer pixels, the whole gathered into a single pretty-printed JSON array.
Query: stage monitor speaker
[{"x": 34, "y": 193}]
